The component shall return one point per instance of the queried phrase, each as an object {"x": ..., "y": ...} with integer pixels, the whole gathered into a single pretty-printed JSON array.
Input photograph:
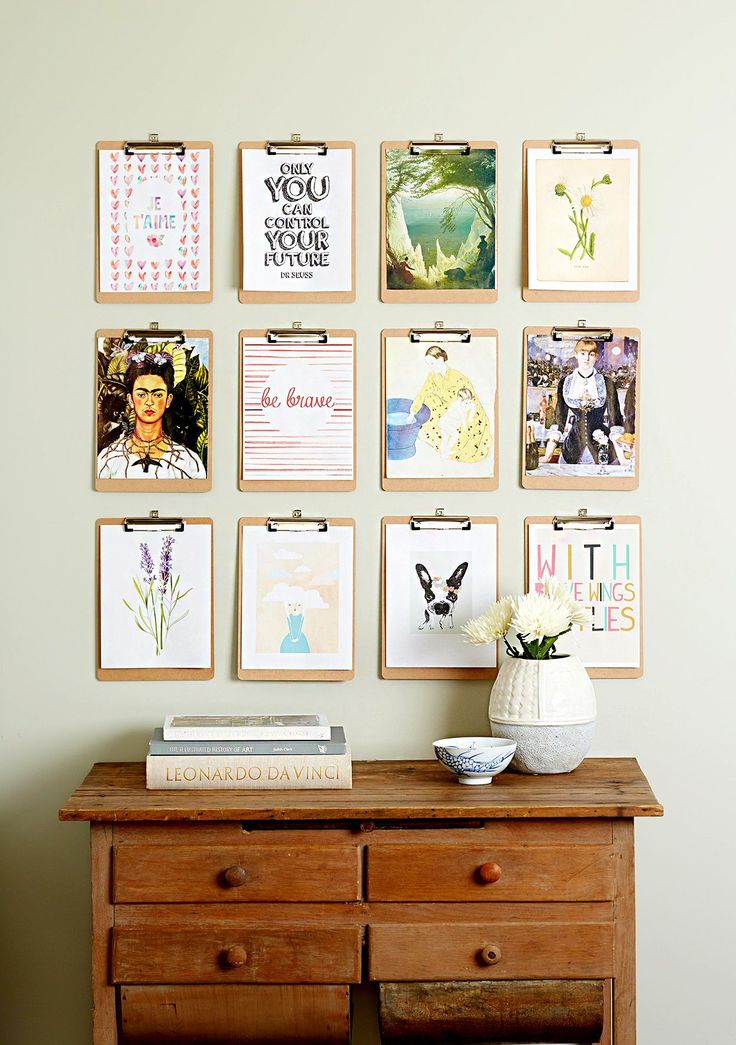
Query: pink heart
[
  {"x": 140, "y": 156},
  {"x": 141, "y": 265},
  {"x": 128, "y": 286},
  {"x": 182, "y": 264},
  {"x": 115, "y": 277},
  {"x": 194, "y": 286},
  {"x": 115, "y": 168},
  {"x": 195, "y": 251},
  {"x": 114, "y": 251},
  {"x": 114, "y": 193},
  {"x": 182, "y": 167},
  {"x": 196, "y": 239},
  {"x": 154, "y": 167},
  {"x": 183, "y": 239},
  {"x": 116, "y": 204},
  {"x": 195, "y": 228},
  {"x": 169, "y": 274},
  {"x": 182, "y": 251},
  {"x": 128, "y": 275},
  {"x": 195, "y": 167},
  {"x": 168, "y": 286},
  {"x": 155, "y": 264},
  {"x": 195, "y": 263},
  {"x": 115, "y": 228},
  {"x": 195, "y": 156},
  {"x": 195, "y": 193},
  {"x": 169, "y": 178},
  {"x": 128, "y": 251},
  {"x": 128, "y": 179},
  {"x": 182, "y": 192},
  {"x": 182, "y": 286},
  {"x": 114, "y": 264},
  {"x": 143, "y": 286},
  {"x": 142, "y": 168},
  {"x": 114, "y": 156},
  {"x": 155, "y": 275},
  {"x": 128, "y": 193},
  {"x": 116, "y": 239}
]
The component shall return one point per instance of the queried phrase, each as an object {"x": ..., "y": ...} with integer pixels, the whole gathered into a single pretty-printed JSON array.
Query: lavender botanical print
[
  {"x": 159, "y": 594},
  {"x": 156, "y": 597}
]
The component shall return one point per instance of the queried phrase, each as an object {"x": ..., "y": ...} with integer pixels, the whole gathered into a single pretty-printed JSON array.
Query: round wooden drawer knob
[
  {"x": 491, "y": 954},
  {"x": 489, "y": 873},
  {"x": 236, "y": 956},
  {"x": 235, "y": 876}
]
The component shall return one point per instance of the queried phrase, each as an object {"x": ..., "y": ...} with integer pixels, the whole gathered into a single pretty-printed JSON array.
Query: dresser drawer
[
  {"x": 237, "y": 1013},
  {"x": 477, "y": 873},
  {"x": 575, "y": 950},
  {"x": 256, "y": 954},
  {"x": 202, "y": 874}
]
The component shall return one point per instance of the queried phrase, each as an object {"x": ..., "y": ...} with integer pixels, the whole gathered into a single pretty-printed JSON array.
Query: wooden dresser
[{"x": 498, "y": 913}]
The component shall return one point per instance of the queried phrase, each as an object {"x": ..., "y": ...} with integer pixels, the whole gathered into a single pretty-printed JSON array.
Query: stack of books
[{"x": 248, "y": 751}]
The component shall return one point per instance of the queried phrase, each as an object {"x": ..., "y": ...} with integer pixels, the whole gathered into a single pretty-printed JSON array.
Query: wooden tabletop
[{"x": 600, "y": 787}]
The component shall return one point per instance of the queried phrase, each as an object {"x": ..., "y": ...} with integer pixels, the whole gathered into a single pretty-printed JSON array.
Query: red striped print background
[{"x": 276, "y": 451}]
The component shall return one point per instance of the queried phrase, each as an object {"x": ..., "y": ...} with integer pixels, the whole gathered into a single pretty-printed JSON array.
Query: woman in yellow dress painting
[{"x": 458, "y": 427}]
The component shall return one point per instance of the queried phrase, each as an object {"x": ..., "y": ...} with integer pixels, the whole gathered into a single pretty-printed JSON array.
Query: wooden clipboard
[
  {"x": 418, "y": 672},
  {"x": 473, "y": 483},
  {"x": 611, "y": 672},
  {"x": 296, "y": 484},
  {"x": 107, "y": 297},
  {"x": 584, "y": 482},
  {"x": 274, "y": 296},
  {"x": 290, "y": 675},
  {"x": 150, "y": 674},
  {"x": 420, "y": 296},
  {"x": 538, "y": 294},
  {"x": 164, "y": 485}
]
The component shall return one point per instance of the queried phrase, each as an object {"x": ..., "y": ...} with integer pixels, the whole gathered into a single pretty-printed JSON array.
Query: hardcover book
[
  {"x": 226, "y": 772},
  {"x": 336, "y": 745},
  {"x": 246, "y": 727}
]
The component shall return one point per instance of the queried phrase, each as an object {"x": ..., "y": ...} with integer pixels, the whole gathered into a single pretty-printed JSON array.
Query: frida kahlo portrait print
[
  {"x": 440, "y": 223},
  {"x": 153, "y": 413}
]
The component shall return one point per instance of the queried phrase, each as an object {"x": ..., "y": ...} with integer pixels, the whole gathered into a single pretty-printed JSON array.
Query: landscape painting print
[
  {"x": 440, "y": 221},
  {"x": 440, "y": 412},
  {"x": 601, "y": 567},
  {"x": 153, "y": 411},
  {"x": 583, "y": 220},
  {"x": 155, "y": 601},
  {"x": 154, "y": 222},
  {"x": 435, "y": 580},
  {"x": 296, "y": 602},
  {"x": 298, "y": 424},
  {"x": 581, "y": 426}
]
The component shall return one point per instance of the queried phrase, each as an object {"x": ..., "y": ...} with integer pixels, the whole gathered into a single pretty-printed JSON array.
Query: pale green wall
[{"x": 76, "y": 72}]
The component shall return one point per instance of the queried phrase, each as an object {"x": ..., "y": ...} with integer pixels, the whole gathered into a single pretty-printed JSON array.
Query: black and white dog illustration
[{"x": 440, "y": 595}]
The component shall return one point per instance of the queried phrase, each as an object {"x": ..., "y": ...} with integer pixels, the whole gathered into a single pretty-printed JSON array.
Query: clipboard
[
  {"x": 405, "y": 440},
  {"x": 294, "y": 528},
  {"x": 281, "y": 213},
  {"x": 581, "y": 147},
  {"x": 488, "y": 272},
  {"x": 438, "y": 521},
  {"x": 154, "y": 524},
  {"x": 265, "y": 393},
  {"x": 611, "y": 603},
  {"x": 621, "y": 476},
  {"x": 191, "y": 459},
  {"x": 127, "y": 252}
]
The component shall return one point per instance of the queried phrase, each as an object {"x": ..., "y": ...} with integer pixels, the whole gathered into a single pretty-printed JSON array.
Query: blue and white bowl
[{"x": 475, "y": 760}]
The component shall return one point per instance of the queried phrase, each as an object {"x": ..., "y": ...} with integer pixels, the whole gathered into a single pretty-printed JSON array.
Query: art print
[
  {"x": 440, "y": 416},
  {"x": 296, "y": 602},
  {"x": 602, "y": 568},
  {"x": 581, "y": 423},
  {"x": 298, "y": 420},
  {"x": 440, "y": 223},
  {"x": 155, "y": 598},
  {"x": 583, "y": 213},
  {"x": 154, "y": 223},
  {"x": 298, "y": 222},
  {"x": 153, "y": 412},
  {"x": 434, "y": 581}
]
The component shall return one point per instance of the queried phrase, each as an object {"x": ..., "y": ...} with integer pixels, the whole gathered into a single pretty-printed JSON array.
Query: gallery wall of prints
[{"x": 216, "y": 78}]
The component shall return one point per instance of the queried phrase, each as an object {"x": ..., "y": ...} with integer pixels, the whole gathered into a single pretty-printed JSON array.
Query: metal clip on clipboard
[
  {"x": 154, "y": 145},
  {"x": 583, "y": 521},
  {"x": 581, "y": 330},
  {"x": 438, "y": 144},
  {"x": 296, "y": 333},
  {"x": 296, "y": 147},
  {"x": 296, "y": 523},
  {"x": 153, "y": 522},
  {"x": 153, "y": 333},
  {"x": 440, "y": 521},
  {"x": 439, "y": 332},
  {"x": 580, "y": 144}
]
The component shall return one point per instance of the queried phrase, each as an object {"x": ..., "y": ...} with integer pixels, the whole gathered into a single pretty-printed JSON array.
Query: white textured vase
[{"x": 548, "y": 707}]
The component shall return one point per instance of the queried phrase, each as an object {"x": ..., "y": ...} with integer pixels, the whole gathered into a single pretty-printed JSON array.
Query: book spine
[
  {"x": 246, "y": 747},
  {"x": 224, "y": 772},
  {"x": 179, "y": 733}
]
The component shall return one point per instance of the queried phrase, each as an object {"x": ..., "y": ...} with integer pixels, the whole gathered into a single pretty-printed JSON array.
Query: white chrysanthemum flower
[
  {"x": 578, "y": 614},
  {"x": 539, "y": 617},
  {"x": 491, "y": 625}
]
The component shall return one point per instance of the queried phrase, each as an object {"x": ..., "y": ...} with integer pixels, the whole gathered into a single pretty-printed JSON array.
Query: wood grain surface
[{"x": 599, "y": 787}]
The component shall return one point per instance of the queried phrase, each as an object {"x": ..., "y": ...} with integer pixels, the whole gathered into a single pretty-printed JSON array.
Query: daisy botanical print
[{"x": 583, "y": 217}]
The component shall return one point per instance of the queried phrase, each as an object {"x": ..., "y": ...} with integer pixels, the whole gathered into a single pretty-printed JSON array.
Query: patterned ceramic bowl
[{"x": 475, "y": 760}]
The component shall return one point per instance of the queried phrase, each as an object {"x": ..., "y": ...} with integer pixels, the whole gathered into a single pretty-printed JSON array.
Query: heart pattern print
[{"x": 154, "y": 222}]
